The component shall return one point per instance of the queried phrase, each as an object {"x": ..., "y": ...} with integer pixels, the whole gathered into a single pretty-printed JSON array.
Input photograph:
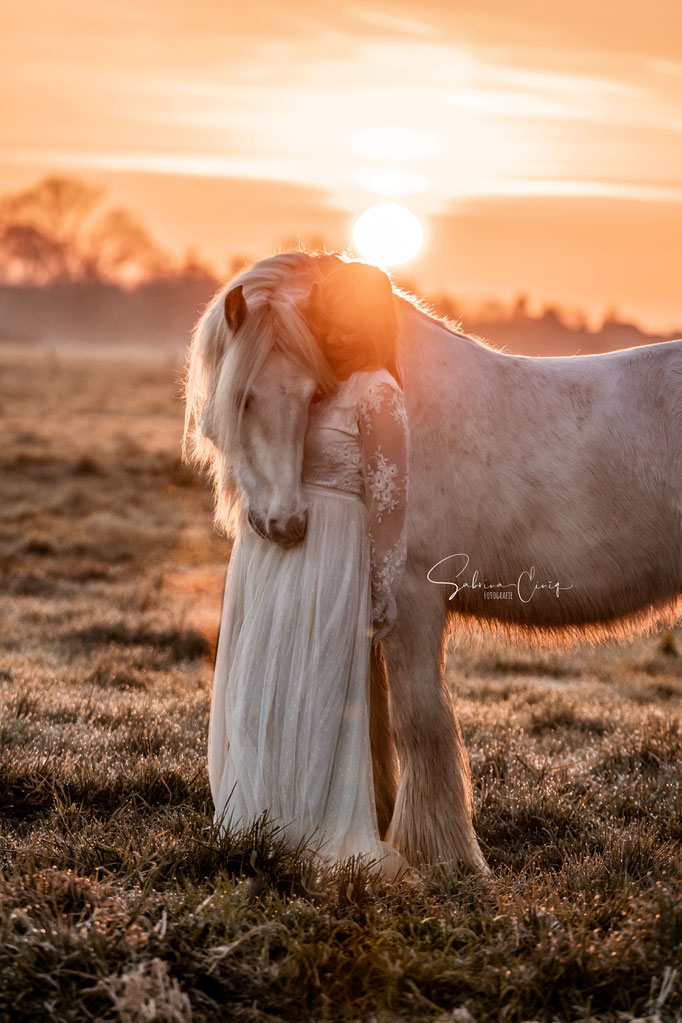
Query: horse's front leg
[{"x": 432, "y": 818}]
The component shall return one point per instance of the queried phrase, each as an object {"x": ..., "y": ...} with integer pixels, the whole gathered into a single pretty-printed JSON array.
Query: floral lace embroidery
[
  {"x": 387, "y": 569},
  {"x": 332, "y": 449},
  {"x": 373, "y": 400},
  {"x": 358, "y": 441},
  {"x": 382, "y": 481},
  {"x": 382, "y": 419}
]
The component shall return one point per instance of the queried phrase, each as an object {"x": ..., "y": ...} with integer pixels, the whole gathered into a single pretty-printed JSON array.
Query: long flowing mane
[{"x": 221, "y": 366}]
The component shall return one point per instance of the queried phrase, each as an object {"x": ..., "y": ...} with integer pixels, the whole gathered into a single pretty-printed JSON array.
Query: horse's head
[
  {"x": 260, "y": 352},
  {"x": 272, "y": 403},
  {"x": 253, "y": 371}
]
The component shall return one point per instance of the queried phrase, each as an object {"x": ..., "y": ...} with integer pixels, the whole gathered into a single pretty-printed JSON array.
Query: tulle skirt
[{"x": 289, "y": 726}]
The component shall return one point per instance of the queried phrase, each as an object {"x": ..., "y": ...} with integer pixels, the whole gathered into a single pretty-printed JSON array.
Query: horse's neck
[{"x": 436, "y": 358}]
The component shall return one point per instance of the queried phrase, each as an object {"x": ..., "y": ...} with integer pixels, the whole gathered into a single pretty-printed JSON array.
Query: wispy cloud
[{"x": 210, "y": 96}]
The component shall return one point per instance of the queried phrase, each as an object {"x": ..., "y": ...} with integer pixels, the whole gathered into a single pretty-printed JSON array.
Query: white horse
[{"x": 545, "y": 503}]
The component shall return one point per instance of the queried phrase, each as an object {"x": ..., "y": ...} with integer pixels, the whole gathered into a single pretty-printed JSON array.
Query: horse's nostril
[
  {"x": 298, "y": 522},
  {"x": 257, "y": 525},
  {"x": 288, "y": 530}
]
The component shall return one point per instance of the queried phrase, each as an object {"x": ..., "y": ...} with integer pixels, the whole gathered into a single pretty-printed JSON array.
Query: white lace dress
[{"x": 289, "y": 726}]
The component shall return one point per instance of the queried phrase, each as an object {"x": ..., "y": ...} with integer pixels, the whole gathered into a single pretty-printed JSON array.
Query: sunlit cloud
[
  {"x": 527, "y": 187},
  {"x": 391, "y": 181},
  {"x": 184, "y": 164},
  {"x": 440, "y": 106},
  {"x": 396, "y": 111},
  {"x": 397, "y": 142},
  {"x": 388, "y": 21}
]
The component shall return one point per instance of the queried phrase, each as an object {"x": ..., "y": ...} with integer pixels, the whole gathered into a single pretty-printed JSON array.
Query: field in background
[{"x": 116, "y": 901}]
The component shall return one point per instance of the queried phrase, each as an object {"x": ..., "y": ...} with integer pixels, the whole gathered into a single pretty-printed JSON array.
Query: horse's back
[{"x": 571, "y": 464}]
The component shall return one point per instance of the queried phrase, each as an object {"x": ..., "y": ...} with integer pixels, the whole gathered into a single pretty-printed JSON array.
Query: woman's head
[{"x": 353, "y": 316}]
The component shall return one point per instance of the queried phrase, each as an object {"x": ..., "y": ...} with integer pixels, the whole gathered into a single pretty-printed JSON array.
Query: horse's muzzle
[{"x": 285, "y": 531}]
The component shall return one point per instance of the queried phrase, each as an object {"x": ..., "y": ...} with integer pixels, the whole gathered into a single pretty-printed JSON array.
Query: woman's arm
[{"x": 384, "y": 436}]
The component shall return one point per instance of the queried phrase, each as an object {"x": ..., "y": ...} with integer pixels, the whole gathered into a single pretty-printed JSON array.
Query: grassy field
[{"x": 116, "y": 900}]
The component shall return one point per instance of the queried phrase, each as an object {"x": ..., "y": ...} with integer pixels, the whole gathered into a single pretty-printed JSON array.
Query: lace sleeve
[{"x": 384, "y": 435}]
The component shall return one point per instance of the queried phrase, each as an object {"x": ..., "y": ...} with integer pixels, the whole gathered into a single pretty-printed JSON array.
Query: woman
[{"x": 289, "y": 728}]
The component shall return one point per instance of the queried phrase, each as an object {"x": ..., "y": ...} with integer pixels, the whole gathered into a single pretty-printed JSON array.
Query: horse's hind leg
[
  {"x": 432, "y": 816},
  {"x": 384, "y": 759}
]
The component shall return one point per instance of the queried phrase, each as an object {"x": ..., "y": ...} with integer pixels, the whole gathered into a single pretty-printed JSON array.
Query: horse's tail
[{"x": 384, "y": 756}]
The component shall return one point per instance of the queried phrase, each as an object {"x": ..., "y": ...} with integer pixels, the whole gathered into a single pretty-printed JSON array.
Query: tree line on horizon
[{"x": 54, "y": 236}]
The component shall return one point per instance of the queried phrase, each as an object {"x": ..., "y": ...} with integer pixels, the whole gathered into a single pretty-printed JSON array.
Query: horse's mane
[
  {"x": 426, "y": 311},
  {"x": 221, "y": 366}
]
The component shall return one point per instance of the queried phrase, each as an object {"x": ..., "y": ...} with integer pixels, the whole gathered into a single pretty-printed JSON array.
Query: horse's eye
[
  {"x": 317, "y": 396},
  {"x": 247, "y": 401}
]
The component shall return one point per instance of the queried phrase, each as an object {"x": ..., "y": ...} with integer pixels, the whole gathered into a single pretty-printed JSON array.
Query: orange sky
[{"x": 542, "y": 150}]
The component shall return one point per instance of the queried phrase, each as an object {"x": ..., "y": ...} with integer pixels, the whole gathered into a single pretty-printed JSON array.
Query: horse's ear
[{"x": 235, "y": 308}]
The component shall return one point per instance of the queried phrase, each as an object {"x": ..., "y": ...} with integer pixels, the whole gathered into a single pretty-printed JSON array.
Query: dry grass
[{"x": 117, "y": 900}]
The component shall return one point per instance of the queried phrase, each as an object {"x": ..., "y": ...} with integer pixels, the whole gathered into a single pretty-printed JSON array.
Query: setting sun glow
[
  {"x": 540, "y": 151},
  {"x": 388, "y": 234}
]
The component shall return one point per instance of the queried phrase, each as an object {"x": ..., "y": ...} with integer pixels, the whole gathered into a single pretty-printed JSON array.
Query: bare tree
[
  {"x": 42, "y": 228},
  {"x": 29, "y": 254},
  {"x": 119, "y": 248},
  {"x": 47, "y": 234}
]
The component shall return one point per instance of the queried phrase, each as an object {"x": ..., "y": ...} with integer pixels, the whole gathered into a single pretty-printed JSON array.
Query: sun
[{"x": 388, "y": 234}]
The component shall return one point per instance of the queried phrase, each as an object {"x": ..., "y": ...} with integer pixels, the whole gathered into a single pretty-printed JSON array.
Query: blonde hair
[
  {"x": 353, "y": 315},
  {"x": 221, "y": 364}
]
